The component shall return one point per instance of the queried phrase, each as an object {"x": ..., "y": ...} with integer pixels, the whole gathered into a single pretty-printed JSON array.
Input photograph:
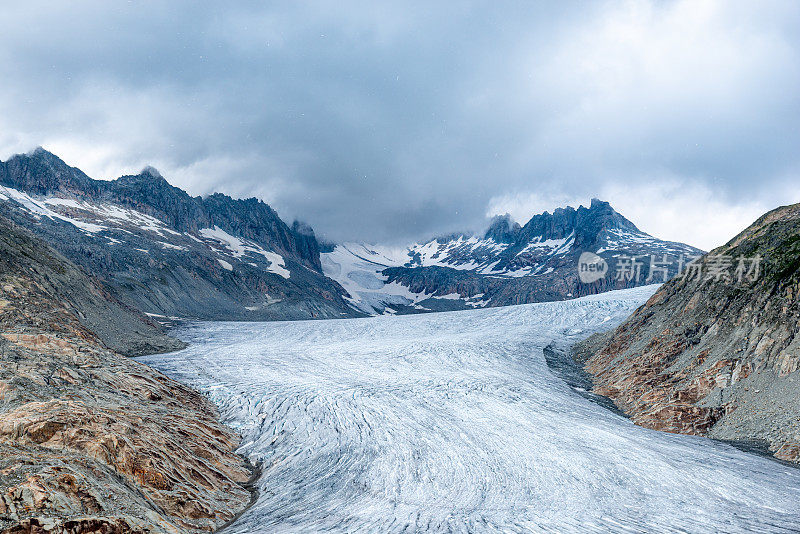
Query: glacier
[{"x": 453, "y": 422}]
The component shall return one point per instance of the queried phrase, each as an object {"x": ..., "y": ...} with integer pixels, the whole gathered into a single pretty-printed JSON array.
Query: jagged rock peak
[
  {"x": 38, "y": 151},
  {"x": 607, "y": 216},
  {"x": 151, "y": 171},
  {"x": 503, "y": 229},
  {"x": 42, "y": 172},
  {"x": 301, "y": 228},
  {"x": 40, "y": 154},
  {"x": 161, "y": 235}
]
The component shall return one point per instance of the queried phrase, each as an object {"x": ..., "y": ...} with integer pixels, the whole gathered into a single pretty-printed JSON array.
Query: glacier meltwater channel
[{"x": 453, "y": 422}]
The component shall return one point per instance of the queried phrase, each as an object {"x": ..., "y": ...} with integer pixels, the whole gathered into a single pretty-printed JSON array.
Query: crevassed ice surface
[{"x": 453, "y": 422}]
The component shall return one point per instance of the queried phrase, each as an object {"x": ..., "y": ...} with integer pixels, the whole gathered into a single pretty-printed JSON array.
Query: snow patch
[
  {"x": 171, "y": 246},
  {"x": 239, "y": 247},
  {"x": 276, "y": 264},
  {"x": 450, "y": 296},
  {"x": 39, "y": 209}
]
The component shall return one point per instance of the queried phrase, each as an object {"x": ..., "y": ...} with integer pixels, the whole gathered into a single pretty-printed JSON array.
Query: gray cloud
[{"x": 392, "y": 121}]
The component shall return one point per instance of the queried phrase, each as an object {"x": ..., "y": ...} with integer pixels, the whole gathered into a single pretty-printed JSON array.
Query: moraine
[{"x": 452, "y": 422}]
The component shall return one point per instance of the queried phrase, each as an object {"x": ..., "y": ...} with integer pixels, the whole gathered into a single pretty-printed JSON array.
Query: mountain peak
[
  {"x": 156, "y": 229},
  {"x": 39, "y": 150},
  {"x": 503, "y": 229},
  {"x": 41, "y": 172},
  {"x": 41, "y": 154},
  {"x": 151, "y": 171}
]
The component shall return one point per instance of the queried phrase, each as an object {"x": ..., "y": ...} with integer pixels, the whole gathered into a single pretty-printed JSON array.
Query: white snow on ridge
[
  {"x": 234, "y": 244},
  {"x": 110, "y": 214},
  {"x": 171, "y": 246},
  {"x": 358, "y": 267},
  {"x": 450, "y": 253},
  {"x": 429, "y": 254},
  {"x": 452, "y": 422},
  {"x": 54, "y": 201},
  {"x": 554, "y": 246},
  {"x": 239, "y": 248},
  {"x": 40, "y": 209},
  {"x": 359, "y": 270},
  {"x": 135, "y": 218},
  {"x": 621, "y": 240},
  {"x": 461, "y": 253},
  {"x": 113, "y": 214},
  {"x": 117, "y": 218}
]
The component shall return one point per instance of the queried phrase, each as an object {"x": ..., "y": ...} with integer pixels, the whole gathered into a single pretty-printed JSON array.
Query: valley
[{"x": 461, "y": 427}]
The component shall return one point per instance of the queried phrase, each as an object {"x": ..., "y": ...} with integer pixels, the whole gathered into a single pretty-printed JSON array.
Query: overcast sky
[{"x": 393, "y": 121}]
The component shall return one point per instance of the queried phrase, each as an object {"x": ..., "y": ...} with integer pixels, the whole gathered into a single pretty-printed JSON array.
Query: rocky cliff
[
  {"x": 161, "y": 251},
  {"x": 716, "y": 352},
  {"x": 91, "y": 441}
]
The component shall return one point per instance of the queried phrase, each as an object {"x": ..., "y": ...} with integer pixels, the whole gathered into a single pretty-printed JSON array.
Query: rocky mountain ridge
[
  {"x": 716, "y": 352},
  {"x": 159, "y": 250},
  {"x": 508, "y": 264},
  {"x": 43, "y": 173}
]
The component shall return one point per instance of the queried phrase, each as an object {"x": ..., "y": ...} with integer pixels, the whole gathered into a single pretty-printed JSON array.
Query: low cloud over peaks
[{"x": 394, "y": 121}]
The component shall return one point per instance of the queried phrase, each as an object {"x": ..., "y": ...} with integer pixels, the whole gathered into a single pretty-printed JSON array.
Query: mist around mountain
[{"x": 161, "y": 251}]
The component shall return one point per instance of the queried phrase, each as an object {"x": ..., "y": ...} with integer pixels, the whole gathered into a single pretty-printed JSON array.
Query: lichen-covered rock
[
  {"x": 715, "y": 357},
  {"x": 91, "y": 441}
]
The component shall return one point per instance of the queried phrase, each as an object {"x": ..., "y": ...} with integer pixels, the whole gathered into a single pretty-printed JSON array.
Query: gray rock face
[
  {"x": 509, "y": 264},
  {"x": 503, "y": 229},
  {"x": 712, "y": 354},
  {"x": 119, "y": 327},
  {"x": 41, "y": 172},
  {"x": 159, "y": 250}
]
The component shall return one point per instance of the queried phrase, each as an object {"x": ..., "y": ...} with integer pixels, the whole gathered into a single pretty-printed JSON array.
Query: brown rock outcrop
[
  {"x": 714, "y": 356},
  {"x": 91, "y": 441}
]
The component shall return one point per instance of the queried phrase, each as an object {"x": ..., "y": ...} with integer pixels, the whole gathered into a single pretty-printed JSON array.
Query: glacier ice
[{"x": 452, "y": 422}]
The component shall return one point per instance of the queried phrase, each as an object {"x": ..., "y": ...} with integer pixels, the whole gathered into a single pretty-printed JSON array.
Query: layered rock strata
[
  {"x": 716, "y": 352},
  {"x": 92, "y": 441}
]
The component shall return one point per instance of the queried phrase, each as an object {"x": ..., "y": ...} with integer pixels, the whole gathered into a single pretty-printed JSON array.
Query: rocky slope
[
  {"x": 716, "y": 352},
  {"x": 91, "y": 441},
  {"x": 509, "y": 264},
  {"x": 161, "y": 251},
  {"x": 118, "y": 327}
]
